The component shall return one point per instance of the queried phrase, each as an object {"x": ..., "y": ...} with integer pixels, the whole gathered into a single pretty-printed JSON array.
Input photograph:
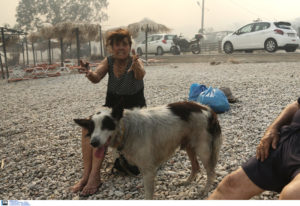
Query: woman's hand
[
  {"x": 271, "y": 137},
  {"x": 137, "y": 67},
  {"x": 85, "y": 68},
  {"x": 135, "y": 62}
]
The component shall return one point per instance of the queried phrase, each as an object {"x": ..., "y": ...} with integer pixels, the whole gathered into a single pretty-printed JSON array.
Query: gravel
[{"x": 41, "y": 145}]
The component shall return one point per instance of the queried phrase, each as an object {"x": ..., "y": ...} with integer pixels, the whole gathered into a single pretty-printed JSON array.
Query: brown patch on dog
[
  {"x": 184, "y": 109},
  {"x": 184, "y": 142},
  {"x": 214, "y": 127}
]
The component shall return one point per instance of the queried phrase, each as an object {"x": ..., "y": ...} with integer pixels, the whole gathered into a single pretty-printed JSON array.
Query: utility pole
[
  {"x": 202, "y": 19},
  {"x": 202, "y": 23}
]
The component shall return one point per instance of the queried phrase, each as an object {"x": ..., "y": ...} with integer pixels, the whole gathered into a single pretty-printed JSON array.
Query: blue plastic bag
[
  {"x": 195, "y": 90},
  {"x": 214, "y": 98}
]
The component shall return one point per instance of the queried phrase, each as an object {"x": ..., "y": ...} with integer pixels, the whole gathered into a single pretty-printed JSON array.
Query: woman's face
[{"x": 121, "y": 49}]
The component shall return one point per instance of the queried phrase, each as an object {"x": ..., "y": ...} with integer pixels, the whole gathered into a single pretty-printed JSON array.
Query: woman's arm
[
  {"x": 137, "y": 67},
  {"x": 271, "y": 136},
  {"x": 99, "y": 73}
]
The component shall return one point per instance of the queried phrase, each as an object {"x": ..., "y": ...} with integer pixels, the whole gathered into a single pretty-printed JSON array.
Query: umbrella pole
[
  {"x": 23, "y": 53},
  {"x": 4, "y": 51},
  {"x": 33, "y": 53},
  {"x": 146, "y": 46},
  {"x": 2, "y": 71},
  {"x": 61, "y": 52},
  {"x": 26, "y": 44},
  {"x": 78, "y": 45},
  {"x": 101, "y": 46},
  {"x": 49, "y": 51}
]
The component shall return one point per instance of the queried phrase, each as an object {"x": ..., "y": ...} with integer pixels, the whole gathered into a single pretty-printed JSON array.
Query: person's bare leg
[
  {"x": 292, "y": 190},
  {"x": 94, "y": 180},
  {"x": 87, "y": 162},
  {"x": 235, "y": 186}
]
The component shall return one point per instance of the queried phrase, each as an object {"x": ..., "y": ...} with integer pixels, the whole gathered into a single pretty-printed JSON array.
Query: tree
[{"x": 32, "y": 14}]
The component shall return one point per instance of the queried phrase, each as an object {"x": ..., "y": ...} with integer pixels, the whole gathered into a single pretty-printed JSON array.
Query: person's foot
[
  {"x": 78, "y": 186},
  {"x": 91, "y": 187}
]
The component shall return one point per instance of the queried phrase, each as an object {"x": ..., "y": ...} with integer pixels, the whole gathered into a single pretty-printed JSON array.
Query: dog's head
[{"x": 102, "y": 126}]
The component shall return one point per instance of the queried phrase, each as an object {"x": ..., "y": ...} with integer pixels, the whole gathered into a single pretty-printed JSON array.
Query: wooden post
[
  {"x": 146, "y": 45},
  {"x": 23, "y": 52},
  {"x": 4, "y": 51},
  {"x": 61, "y": 52},
  {"x": 33, "y": 53},
  {"x": 78, "y": 45},
  {"x": 41, "y": 55},
  {"x": 27, "y": 57},
  {"x": 2, "y": 71},
  {"x": 49, "y": 51},
  {"x": 90, "y": 49},
  {"x": 101, "y": 45}
]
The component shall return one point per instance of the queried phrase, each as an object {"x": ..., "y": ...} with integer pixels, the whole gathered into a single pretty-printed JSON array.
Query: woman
[{"x": 125, "y": 82}]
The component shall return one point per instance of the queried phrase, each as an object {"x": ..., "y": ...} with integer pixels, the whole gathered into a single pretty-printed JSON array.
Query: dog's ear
[
  {"x": 85, "y": 123},
  {"x": 117, "y": 111}
]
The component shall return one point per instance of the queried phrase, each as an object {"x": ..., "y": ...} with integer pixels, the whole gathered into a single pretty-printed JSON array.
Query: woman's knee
[
  {"x": 229, "y": 184},
  {"x": 291, "y": 192}
]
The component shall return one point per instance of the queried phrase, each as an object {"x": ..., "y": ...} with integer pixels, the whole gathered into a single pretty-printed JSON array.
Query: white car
[
  {"x": 157, "y": 44},
  {"x": 270, "y": 36}
]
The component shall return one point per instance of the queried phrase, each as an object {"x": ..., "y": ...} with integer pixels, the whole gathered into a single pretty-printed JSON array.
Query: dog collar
[{"x": 120, "y": 144}]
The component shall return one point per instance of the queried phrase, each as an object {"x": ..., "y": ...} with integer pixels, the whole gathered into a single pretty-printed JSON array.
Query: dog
[{"x": 148, "y": 137}]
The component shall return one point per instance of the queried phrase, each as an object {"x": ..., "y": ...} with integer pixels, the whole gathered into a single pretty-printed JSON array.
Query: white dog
[{"x": 148, "y": 137}]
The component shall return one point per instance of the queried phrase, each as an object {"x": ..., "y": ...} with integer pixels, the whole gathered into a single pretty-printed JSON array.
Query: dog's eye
[{"x": 108, "y": 123}]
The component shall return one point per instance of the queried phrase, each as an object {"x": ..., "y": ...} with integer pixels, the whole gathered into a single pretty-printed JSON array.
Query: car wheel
[
  {"x": 160, "y": 51},
  {"x": 139, "y": 52},
  {"x": 228, "y": 48},
  {"x": 290, "y": 49},
  {"x": 270, "y": 45}
]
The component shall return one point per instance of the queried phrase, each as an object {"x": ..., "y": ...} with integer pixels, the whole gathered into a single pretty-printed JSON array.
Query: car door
[
  {"x": 260, "y": 34},
  {"x": 151, "y": 44},
  {"x": 241, "y": 38},
  {"x": 157, "y": 42}
]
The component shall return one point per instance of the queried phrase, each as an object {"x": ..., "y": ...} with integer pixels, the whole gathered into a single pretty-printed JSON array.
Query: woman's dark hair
[{"x": 118, "y": 36}]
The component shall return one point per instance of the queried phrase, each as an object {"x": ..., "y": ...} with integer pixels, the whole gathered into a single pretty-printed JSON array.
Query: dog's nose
[{"x": 95, "y": 143}]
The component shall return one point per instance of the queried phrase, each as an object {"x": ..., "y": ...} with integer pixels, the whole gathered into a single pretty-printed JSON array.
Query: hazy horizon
[{"x": 184, "y": 16}]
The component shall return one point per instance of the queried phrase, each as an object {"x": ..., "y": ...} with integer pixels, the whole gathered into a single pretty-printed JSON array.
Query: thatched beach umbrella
[
  {"x": 60, "y": 32},
  {"x": 148, "y": 26}
]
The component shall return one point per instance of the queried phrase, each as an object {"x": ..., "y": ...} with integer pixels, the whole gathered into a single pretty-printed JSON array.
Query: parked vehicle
[
  {"x": 187, "y": 46},
  {"x": 157, "y": 44},
  {"x": 270, "y": 36}
]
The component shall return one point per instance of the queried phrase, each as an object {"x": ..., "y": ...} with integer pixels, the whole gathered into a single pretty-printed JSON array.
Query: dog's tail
[{"x": 214, "y": 129}]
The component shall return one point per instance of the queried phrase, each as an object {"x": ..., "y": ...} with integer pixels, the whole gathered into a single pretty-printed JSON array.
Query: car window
[
  {"x": 283, "y": 25},
  {"x": 158, "y": 37},
  {"x": 169, "y": 37},
  {"x": 245, "y": 29},
  {"x": 261, "y": 26},
  {"x": 151, "y": 38}
]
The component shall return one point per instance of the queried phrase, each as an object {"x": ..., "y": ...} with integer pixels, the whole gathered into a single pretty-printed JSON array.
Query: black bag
[{"x": 124, "y": 167}]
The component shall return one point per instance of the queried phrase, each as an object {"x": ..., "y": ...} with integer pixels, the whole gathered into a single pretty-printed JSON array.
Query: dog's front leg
[{"x": 148, "y": 178}]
